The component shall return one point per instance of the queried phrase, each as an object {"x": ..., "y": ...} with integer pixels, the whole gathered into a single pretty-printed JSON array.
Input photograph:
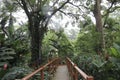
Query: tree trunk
[
  {"x": 37, "y": 32},
  {"x": 36, "y": 41},
  {"x": 99, "y": 26}
]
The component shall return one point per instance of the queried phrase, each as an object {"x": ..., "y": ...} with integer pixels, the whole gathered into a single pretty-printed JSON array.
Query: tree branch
[
  {"x": 110, "y": 11},
  {"x": 63, "y": 12},
  {"x": 77, "y": 6},
  {"x": 31, "y": 6},
  {"x": 55, "y": 3},
  {"x": 115, "y": 8},
  {"x": 25, "y": 7},
  {"x": 19, "y": 3},
  {"x": 59, "y": 8},
  {"x": 3, "y": 23},
  {"x": 55, "y": 11},
  {"x": 38, "y": 3},
  {"x": 107, "y": 13}
]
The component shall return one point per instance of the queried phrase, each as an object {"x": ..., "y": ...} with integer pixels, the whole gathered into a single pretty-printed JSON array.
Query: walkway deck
[{"x": 61, "y": 73}]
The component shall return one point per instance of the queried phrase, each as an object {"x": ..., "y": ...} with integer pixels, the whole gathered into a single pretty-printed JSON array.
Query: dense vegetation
[{"x": 26, "y": 46}]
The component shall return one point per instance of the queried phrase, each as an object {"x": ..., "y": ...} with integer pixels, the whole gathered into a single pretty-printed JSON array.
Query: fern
[
  {"x": 6, "y": 54},
  {"x": 16, "y": 73}
]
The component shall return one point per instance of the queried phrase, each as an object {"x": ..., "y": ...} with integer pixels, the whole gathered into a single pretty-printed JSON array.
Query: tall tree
[
  {"x": 95, "y": 7},
  {"x": 39, "y": 13},
  {"x": 99, "y": 25}
]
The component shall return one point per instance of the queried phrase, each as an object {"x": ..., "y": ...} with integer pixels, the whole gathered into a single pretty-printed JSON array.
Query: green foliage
[
  {"x": 57, "y": 40},
  {"x": 112, "y": 30},
  {"x": 98, "y": 61},
  {"x": 9, "y": 6},
  {"x": 46, "y": 43},
  {"x": 62, "y": 44},
  {"x": 115, "y": 51},
  {"x": 98, "y": 67},
  {"x": 45, "y": 2},
  {"x": 6, "y": 55},
  {"x": 85, "y": 49},
  {"x": 16, "y": 73},
  {"x": 19, "y": 41},
  {"x": 2, "y": 38},
  {"x": 86, "y": 42}
]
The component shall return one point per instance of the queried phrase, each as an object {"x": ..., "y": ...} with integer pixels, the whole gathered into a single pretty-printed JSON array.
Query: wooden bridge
[{"x": 65, "y": 71}]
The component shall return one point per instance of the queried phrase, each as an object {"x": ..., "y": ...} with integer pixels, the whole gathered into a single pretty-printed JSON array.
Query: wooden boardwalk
[{"x": 61, "y": 73}]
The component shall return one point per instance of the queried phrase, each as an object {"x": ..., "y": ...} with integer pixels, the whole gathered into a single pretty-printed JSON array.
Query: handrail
[
  {"x": 54, "y": 63},
  {"x": 74, "y": 70}
]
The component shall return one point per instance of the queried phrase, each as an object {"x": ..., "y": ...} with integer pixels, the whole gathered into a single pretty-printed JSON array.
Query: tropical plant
[
  {"x": 57, "y": 41},
  {"x": 6, "y": 54},
  {"x": 19, "y": 41},
  {"x": 16, "y": 73},
  {"x": 98, "y": 67},
  {"x": 62, "y": 44},
  {"x": 6, "y": 57},
  {"x": 86, "y": 41},
  {"x": 115, "y": 50}
]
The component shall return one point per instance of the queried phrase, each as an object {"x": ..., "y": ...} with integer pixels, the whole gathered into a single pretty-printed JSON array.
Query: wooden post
[
  {"x": 71, "y": 70},
  {"x": 76, "y": 75},
  {"x": 74, "y": 71},
  {"x": 90, "y": 78},
  {"x": 42, "y": 74}
]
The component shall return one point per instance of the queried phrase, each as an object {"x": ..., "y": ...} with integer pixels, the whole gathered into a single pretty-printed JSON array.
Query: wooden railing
[
  {"x": 74, "y": 71},
  {"x": 50, "y": 66}
]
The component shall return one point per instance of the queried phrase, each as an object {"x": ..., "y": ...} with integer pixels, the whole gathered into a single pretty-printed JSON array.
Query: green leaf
[
  {"x": 114, "y": 52},
  {"x": 6, "y": 55},
  {"x": 6, "y": 58},
  {"x": 98, "y": 61},
  {"x": 117, "y": 47},
  {"x": 2, "y": 63},
  {"x": 2, "y": 36},
  {"x": 15, "y": 72}
]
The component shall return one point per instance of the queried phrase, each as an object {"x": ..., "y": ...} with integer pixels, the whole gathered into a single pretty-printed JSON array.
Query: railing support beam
[
  {"x": 42, "y": 74},
  {"x": 41, "y": 69},
  {"x": 74, "y": 71},
  {"x": 76, "y": 75}
]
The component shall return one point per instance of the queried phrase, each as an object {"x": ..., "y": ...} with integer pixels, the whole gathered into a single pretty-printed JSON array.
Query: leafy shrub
[
  {"x": 16, "y": 73},
  {"x": 98, "y": 67},
  {"x": 115, "y": 50},
  {"x": 6, "y": 54}
]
